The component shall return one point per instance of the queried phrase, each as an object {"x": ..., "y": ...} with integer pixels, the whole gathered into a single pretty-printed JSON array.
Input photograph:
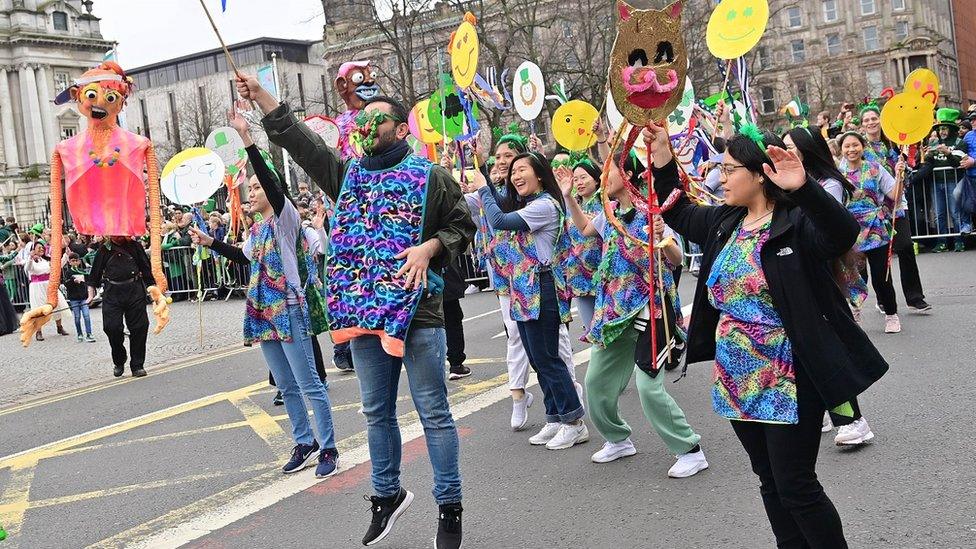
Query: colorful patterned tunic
[
  {"x": 378, "y": 215},
  {"x": 583, "y": 256},
  {"x": 105, "y": 190},
  {"x": 867, "y": 205},
  {"x": 516, "y": 261},
  {"x": 754, "y": 375},
  {"x": 621, "y": 281}
]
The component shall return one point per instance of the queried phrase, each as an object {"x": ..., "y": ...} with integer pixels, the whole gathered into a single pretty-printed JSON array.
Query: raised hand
[
  {"x": 199, "y": 237},
  {"x": 787, "y": 171},
  {"x": 565, "y": 179},
  {"x": 657, "y": 140}
]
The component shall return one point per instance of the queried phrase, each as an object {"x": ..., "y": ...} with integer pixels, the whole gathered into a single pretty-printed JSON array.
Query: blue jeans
[
  {"x": 965, "y": 220},
  {"x": 79, "y": 308},
  {"x": 293, "y": 366},
  {"x": 379, "y": 377},
  {"x": 586, "y": 305},
  {"x": 541, "y": 340},
  {"x": 943, "y": 200}
]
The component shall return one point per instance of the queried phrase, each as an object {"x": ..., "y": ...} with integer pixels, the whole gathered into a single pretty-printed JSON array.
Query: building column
[
  {"x": 33, "y": 134},
  {"x": 7, "y": 123},
  {"x": 50, "y": 130}
]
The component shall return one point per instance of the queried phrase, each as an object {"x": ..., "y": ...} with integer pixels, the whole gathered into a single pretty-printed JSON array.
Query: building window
[
  {"x": 871, "y": 38},
  {"x": 799, "y": 51},
  {"x": 901, "y": 31},
  {"x": 768, "y": 100},
  {"x": 833, "y": 44},
  {"x": 763, "y": 56},
  {"x": 897, "y": 5},
  {"x": 169, "y": 136},
  {"x": 301, "y": 90},
  {"x": 801, "y": 91},
  {"x": 61, "y": 81},
  {"x": 868, "y": 7},
  {"x": 60, "y": 20},
  {"x": 68, "y": 131},
  {"x": 793, "y": 17},
  {"x": 174, "y": 116},
  {"x": 830, "y": 10},
  {"x": 875, "y": 81},
  {"x": 145, "y": 118}
]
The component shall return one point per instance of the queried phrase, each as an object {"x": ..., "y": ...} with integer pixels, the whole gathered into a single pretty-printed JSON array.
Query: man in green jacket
[{"x": 398, "y": 221}]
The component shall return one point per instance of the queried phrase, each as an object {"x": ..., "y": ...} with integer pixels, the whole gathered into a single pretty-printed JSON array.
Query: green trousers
[{"x": 609, "y": 374}]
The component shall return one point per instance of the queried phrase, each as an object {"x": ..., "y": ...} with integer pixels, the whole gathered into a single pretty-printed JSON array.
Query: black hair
[
  {"x": 843, "y": 137},
  {"x": 748, "y": 153},
  {"x": 399, "y": 112},
  {"x": 629, "y": 163},
  {"x": 543, "y": 171},
  {"x": 558, "y": 150},
  {"x": 518, "y": 145},
  {"x": 73, "y": 255},
  {"x": 719, "y": 144},
  {"x": 966, "y": 124},
  {"x": 591, "y": 169},
  {"x": 817, "y": 160}
]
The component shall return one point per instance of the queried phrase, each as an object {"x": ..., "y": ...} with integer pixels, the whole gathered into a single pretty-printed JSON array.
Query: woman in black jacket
[{"x": 768, "y": 312}]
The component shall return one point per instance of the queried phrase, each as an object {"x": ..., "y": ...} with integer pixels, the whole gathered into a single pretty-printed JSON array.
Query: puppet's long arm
[
  {"x": 156, "y": 291},
  {"x": 34, "y": 319}
]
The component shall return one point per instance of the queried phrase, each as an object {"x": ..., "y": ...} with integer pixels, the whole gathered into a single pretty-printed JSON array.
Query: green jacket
[{"x": 447, "y": 217}]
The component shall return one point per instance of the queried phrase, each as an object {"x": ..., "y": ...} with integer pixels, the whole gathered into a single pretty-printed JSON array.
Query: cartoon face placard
[
  {"x": 736, "y": 26},
  {"x": 572, "y": 125},
  {"x": 451, "y": 121},
  {"x": 325, "y": 127},
  {"x": 192, "y": 176},
  {"x": 228, "y": 145},
  {"x": 907, "y": 117},
  {"x": 648, "y": 63},
  {"x": 920, "y": 81},
  {"x": 420, "y": 125},
  {"x": 464, "y": 52},
  {"x": 528, "y": 91},
  {"x": 679, "y": 119}
]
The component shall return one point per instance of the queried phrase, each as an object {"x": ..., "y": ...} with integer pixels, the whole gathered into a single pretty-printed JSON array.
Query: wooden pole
[{"x": 230, "y": 59}]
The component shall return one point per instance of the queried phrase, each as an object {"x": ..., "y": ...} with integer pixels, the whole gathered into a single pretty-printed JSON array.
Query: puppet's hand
[
  {"x": 160, "y": 308},
  {"x": 32, "y": 321}
]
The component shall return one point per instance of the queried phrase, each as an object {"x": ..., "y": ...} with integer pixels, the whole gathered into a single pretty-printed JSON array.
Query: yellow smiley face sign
[
  {"x": 920, "y": 81},
  {"x": 420, "y": 126},
  {"x": 572, "y": 125},
  {"x": 907, "y": 117},
  {"x": 464, "y": 52},
  {"x": 735, "y": 27}
]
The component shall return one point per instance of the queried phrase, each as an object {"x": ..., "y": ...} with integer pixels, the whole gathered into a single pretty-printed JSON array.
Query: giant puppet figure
[
  {"x": 104, "y": 185},
  {"x": 355, "y": 84}
]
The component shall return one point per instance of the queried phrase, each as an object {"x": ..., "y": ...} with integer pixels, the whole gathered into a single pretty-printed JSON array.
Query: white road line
[
  {"x": 686, "y": 310},
  {"x": 230, "y": 513},
  {"x": 482, "y": 315},
  {"x": 499, "y": 334}
]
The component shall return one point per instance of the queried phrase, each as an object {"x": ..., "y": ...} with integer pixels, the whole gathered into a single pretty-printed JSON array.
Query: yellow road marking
[
  {"x": 16, "y": 496},
  {"x": 263, "y": 424}
]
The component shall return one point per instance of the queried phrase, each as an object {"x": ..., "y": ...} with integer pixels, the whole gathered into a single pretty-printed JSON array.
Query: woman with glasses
[{"x": 781, "y": 335}]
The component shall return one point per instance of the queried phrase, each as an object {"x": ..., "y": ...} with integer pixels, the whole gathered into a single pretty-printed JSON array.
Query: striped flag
[{"x": 742, "y": 75}]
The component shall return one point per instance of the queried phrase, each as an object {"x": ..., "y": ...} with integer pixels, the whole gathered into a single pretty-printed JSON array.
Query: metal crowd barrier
[
  {"x": 187, "y": 274},
  {"x": 17, "y": 285},
  {"x": 469, "y": 269},
  {"x": 931, "y": 205}
]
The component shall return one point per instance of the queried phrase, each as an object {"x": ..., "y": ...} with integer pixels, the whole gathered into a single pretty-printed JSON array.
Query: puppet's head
[
  {"x": 356, "y": 84},
  {"x": 101, "y": 93},
  {"x": 648, "y": 62}
]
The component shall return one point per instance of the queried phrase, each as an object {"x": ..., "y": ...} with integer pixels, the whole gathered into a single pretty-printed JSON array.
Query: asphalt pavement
[{"x": 190, "y": 455}]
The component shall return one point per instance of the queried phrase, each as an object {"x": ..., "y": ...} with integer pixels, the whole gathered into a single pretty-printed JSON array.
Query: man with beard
[{"x": 398, "y": 221}]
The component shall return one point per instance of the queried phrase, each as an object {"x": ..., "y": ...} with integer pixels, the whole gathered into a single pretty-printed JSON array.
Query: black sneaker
[
  {"x": 920, "y": 307},
  {"x": 118, "y": 371},
  {"x": 343, "y": 362},
  {"x": 457, "y": 372},
  {"x": 278, "y": 400},
  {"x": 449, "y": 526},
  {"x": 386, "y": 511},
  {"x": 301, "y": 457},
  {"x": 139, "y": 372}
]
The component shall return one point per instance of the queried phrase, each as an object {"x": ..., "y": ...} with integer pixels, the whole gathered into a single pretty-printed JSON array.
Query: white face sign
[
  {"x": 528, "y": 91},
  {"x": 228, "y": 145},
  {"x": 192, "y": 176},
  {"x": 325, "y": 127}
]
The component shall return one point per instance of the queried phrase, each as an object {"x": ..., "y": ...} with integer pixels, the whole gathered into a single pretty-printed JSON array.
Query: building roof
[{"x": 231, "y": 47}]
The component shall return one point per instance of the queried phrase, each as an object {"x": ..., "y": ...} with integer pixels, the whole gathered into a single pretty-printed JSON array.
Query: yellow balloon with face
[
  {"x": 907, "y": 117},
  {"x": 920, "y": 81},
  {"x": 735, "y": 27},
  {"x": 572, "y": 125},
  {"x": 464, "y": 52},
  {"x": 420, "y": 126}
]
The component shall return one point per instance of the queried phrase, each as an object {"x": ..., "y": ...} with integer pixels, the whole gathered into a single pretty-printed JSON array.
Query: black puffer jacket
[{"x": 805, "y": 236}]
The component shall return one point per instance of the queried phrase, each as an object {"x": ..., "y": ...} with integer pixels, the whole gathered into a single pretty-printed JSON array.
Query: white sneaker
[
  {"x": 569, "y": 435},
  {"x": 892, "y": 324},
  {"x": 612, "y": 451},
  {"x": 688, "y": 465},
  {"x": 520, "y": 412},
  {"x": 828, "y": 425},
  {"x": 548, "y": 431},
  {"x": 854, "y": 434},
  {"x": 471, "y": 289}
]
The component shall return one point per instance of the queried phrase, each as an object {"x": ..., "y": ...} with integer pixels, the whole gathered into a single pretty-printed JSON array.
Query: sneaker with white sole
[
  {"x": 892, "y": 324},
  {"x": 548, "y": 431},
  {"x": 520, "y": 412},
  {"x": 386, "y": 511},
  {"x": 688, "y": 465},
  {"x": 613, "y": 451},
  {"x": 569, "y": 435},
  {"x": 828, "y": 425},
  {"x": 920, "y": 307},
  {"x": 854, "y": 434}
]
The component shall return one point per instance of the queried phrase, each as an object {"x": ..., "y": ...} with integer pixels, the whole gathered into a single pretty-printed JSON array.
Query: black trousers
[
  {"x": 911, "y": 282},
  {"x": 785, "y": 459},
  {"x": 884, "y": 288},
  {"x": 124, "y": 306},
  {"x": 319, "y": 361},
  {"x": 454, "y": 329}
]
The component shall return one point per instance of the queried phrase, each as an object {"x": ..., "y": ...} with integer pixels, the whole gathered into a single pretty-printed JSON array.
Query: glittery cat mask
[{"x": 648, "y": 62}]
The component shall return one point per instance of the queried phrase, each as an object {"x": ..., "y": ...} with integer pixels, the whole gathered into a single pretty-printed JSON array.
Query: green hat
[
  {"x": 947, "y": 117},
  {"x": 38, "y": 228}
]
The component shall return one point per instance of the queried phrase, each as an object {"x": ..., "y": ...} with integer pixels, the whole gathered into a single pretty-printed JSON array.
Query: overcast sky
[{"x": 149, "y": 30}]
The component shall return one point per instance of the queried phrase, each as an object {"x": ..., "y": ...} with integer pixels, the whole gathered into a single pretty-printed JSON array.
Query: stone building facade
[{"x": 44, "y": 45}]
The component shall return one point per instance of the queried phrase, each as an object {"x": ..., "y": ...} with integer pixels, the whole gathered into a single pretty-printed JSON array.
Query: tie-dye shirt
[
  {"x": 754, "y": 376},
  {"x": 872, "y": 183},
  {"x": 583, "y": 256}
]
